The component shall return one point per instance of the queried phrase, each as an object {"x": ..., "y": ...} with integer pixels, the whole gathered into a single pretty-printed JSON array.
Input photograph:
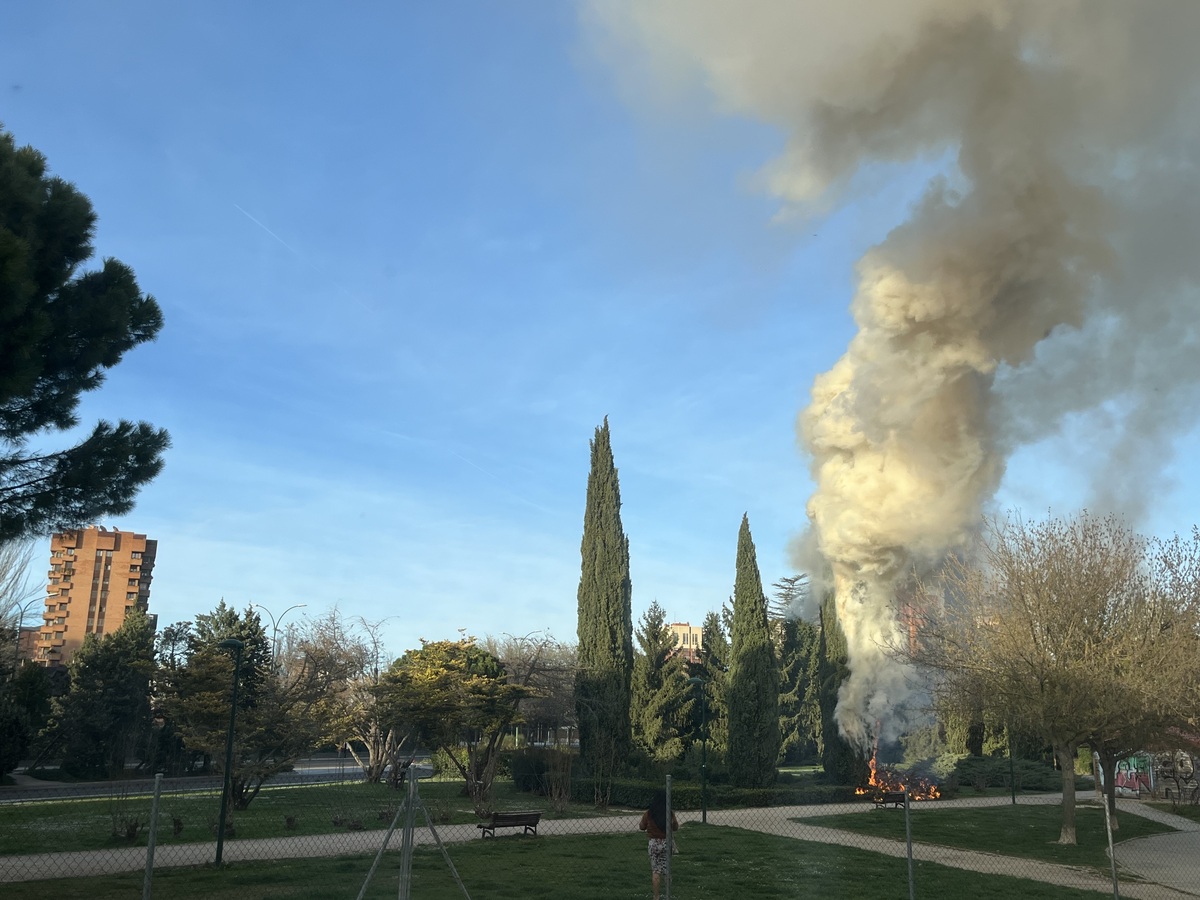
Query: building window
[
  {"x": 136, "y": 554},
  {"x": 132, "y": 595}
]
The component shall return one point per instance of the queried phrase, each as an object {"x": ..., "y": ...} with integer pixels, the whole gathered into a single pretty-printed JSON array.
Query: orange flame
[{"x": 884, "y": 780}]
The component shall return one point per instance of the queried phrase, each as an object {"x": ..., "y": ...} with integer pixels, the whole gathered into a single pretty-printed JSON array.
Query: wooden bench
[
  {"x": 527, "y": 820},
  {"x": 894, "y": 799}
]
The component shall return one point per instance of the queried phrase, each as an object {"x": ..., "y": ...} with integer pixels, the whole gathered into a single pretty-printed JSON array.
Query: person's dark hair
[{"x": 658, "y": 810}]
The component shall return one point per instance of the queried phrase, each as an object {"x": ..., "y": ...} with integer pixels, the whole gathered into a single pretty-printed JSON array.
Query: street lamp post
[
  {"x": 22, "y": 612},
  {"x": 236, "y": 646},
  {"x": 700, "y": 682},
  {"x": 275, "y": 623}
]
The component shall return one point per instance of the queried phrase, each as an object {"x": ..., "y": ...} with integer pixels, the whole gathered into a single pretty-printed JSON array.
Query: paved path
[
  {"x": 1170, "y": 863},
  {"x": 1174, "y": 877},
  {"x": 1169, "y": 859}
]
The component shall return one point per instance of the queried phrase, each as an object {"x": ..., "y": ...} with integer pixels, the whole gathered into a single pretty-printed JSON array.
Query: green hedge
[
  {"x": 982, "y": 772},
  {"x": 532, "y": 768},
  {"x": 637, "y": 794}
]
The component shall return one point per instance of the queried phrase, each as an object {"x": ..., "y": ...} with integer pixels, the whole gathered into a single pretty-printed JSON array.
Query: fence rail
[{"x": 96, "y": 831}]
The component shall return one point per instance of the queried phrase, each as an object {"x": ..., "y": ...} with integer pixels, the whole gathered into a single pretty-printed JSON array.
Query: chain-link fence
[{"x": 310, "y": 839}]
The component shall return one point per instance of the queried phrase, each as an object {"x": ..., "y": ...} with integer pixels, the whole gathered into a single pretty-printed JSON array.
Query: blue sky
[{"x": 410, "y": 256}]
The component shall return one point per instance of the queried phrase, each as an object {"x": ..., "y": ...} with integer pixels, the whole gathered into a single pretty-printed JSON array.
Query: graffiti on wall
[
  {"x": 1134, "y": 776},
  {"x": 1177, "y": 777}
]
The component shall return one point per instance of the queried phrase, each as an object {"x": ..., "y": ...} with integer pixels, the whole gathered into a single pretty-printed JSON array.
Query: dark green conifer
[
  {"x": 753, "y": 676},
  {"x": 799, "y": 658},
  {"x": 605, "y": 625},
  {"x": 842, "y": 763},
  {"x": 61, "y": 330},
  {"x": 104, "y": 717},
  {"x": 714, "y": 669},
  {"x": 662, "y": 698}
]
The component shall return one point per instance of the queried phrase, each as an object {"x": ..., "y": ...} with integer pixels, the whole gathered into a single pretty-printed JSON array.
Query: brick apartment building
[{"x": 96, "y": 576}]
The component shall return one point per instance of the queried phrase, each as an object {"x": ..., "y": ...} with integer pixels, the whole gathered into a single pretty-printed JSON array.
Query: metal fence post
[
  {"x": 670, "y": 838},
  {"x": 406, "y": 844},
  {"x": 152, "y": 837},
  {"x": 1112, "y": 857},
  {"x": 912, "y": 889}
]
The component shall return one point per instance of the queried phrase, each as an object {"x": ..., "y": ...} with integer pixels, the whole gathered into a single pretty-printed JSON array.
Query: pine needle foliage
[
  {"x": 662, "y": 696},
  {"x": 799, "y": 659},
  {"x": 60, "y": 331}
]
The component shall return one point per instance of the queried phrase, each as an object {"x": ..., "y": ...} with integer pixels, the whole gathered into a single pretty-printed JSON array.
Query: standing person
[{"x": 654, "y": 823}]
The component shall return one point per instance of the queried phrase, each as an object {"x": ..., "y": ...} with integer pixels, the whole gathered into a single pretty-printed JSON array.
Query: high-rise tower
[{"x": 96, "y": 576}]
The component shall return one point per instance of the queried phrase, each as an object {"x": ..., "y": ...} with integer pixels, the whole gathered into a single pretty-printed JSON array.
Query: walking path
[
  {"x": 1170, "y": 863},
  {"x": 1172, "y": 874}
]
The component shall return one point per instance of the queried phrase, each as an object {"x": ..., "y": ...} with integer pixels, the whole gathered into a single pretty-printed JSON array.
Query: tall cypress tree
[
  {"x": 841, "y": 762},
  {"x": 753, "y": 676},
  {"x": 605, "y": 626}
]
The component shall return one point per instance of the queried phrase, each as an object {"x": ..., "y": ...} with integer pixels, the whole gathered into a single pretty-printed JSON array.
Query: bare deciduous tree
[
  {"x": 546, "y": 667},
  {"x": 355, "y": 722},
  {"x": 1076, "y": 629}
]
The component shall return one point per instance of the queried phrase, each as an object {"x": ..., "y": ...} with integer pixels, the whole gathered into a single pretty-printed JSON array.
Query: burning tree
[{"x": 1076, "y": 629}]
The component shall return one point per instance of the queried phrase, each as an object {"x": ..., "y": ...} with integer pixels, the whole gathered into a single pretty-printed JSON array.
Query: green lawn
[
  {"x": 1186, "y": 810},
  {"x": 87, "y": 824},
  {"x": 716, "y": 864},
  {"x": 1026, "y": 830}
]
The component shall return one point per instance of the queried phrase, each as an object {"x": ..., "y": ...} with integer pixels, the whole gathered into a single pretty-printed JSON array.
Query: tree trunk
[{"x": 1066, "y": 762}]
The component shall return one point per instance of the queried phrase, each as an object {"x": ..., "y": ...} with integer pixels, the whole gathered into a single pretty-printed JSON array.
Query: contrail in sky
[{"x": 266, "y": 229}]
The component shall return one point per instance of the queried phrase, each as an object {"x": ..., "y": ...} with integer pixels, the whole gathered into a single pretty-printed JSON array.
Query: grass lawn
[
  {"x": 715, "y": 864},
  {"x": 1028, "y": 831},
  {"x": 87, "y": 823},
  {"x": 1186, "y": 810}
]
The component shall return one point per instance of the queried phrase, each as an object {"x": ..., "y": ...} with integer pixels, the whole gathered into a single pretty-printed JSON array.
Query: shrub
[
  {"x": 443, "y": 763},
  {"x": 982, "y": 772},
  {"x": 535, "y": 770},
  {"x": 636, "y": 794}
]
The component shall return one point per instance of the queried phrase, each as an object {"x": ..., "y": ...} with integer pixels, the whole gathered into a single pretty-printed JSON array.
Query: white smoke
[{"x": 1051, "y": 272}]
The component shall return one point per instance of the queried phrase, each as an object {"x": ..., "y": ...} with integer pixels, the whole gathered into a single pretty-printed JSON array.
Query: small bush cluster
[
  {"x": 957, "y": 773},
  {"x": 636, "y": 794}
]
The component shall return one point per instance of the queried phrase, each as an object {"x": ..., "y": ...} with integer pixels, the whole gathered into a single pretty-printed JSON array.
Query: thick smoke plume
[{"x": 1047, "y": 279}]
